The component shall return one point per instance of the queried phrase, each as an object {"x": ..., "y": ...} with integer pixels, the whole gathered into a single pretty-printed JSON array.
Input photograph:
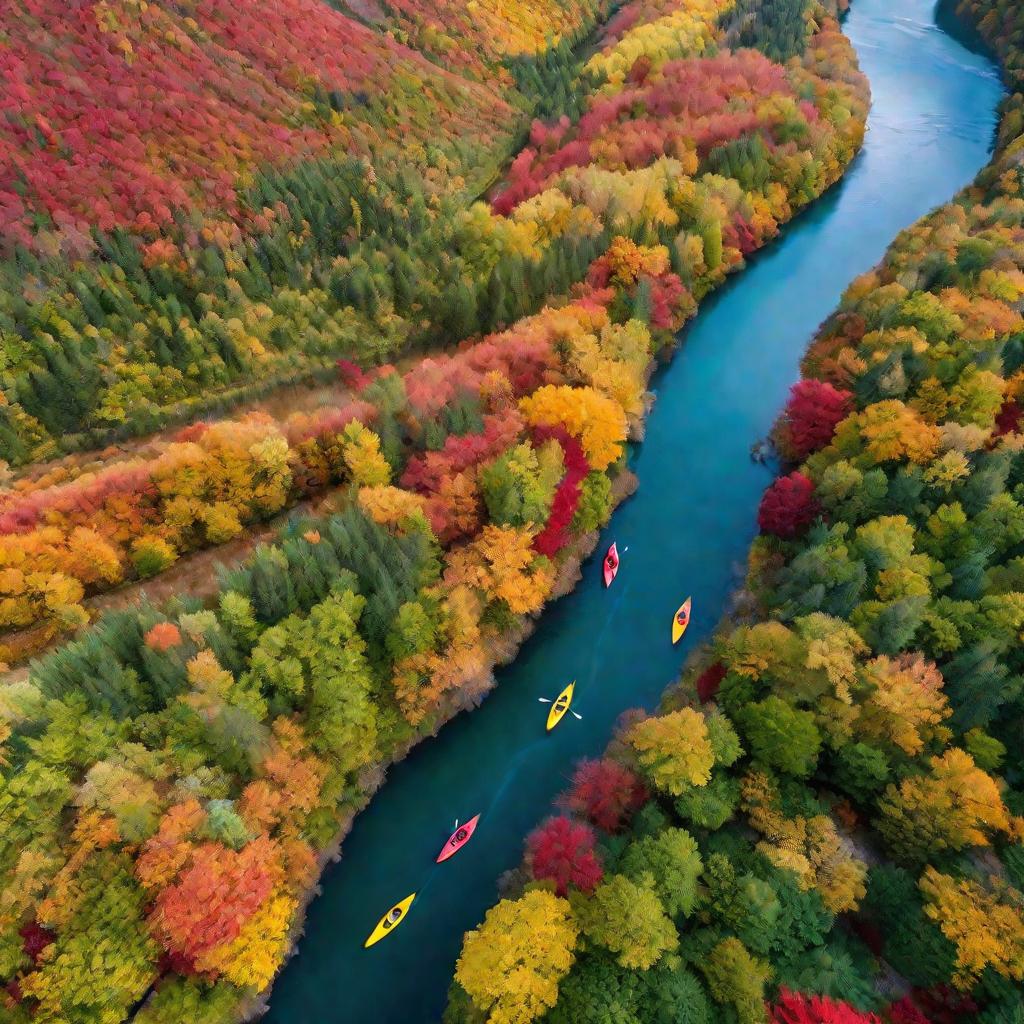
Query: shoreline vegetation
[
  {"x": 173, "y": 780},
  {"x": 823, "y": 823}
]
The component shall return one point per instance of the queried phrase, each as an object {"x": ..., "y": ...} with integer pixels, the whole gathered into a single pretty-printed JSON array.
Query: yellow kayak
[
  {"x": 561, "y": 706},
  {"x": 390, "y": 921},
  {"x": 680, "y": 621}
]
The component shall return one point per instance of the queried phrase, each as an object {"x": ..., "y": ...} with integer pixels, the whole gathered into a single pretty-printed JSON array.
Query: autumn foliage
[
  {"x": 562, "y": 851},
  {"x": 788, "y": 507}
]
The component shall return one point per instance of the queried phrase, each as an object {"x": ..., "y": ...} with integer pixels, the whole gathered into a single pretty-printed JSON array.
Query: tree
[
  {"x": 217, "y": 891},
  {"x": 736, "y": 978},
  {"x": 362, "y": 454},
  {"x": 104, "y": 958},
  {"x": 780, "y": 736},
  {"x": 674, "y": 750},
  {"x": 319, "y": 664},
  {"x": 673, "y": 860},
  {"x": 987, "y": 927},
  {"x": 811, "y": 415},
  {"x": 788, "y": 507},
  {"x": 596, "y": 420},
  {"x": 903, "y": 704},
  {"x": 627, "y": 918},
  {"x": 887, "y": 431},
  {"x": 563, "y": 851},
  {"x": 953, "y": 806},
  {"x": 501, "y": 563},
  {"x": 605, "y": 791},
  {"x": 511, "y": 964}
]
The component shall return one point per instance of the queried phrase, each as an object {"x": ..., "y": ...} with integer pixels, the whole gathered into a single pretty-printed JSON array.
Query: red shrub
[
  {"x": 606, "y": 792},
  {"x": 798, "y": 1008},
  {"x": 351, "y": 375},
  {"x": 563, "y": 851},
  {"x": 788, "y": 506}
]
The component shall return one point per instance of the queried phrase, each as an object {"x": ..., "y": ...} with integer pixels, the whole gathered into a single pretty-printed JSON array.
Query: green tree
[
  {"x": 627, "y": 918},
  {"x": 780, "y": 736},
  {"x": 673, "y": 860},
  {"x": 737, "y": 979}
]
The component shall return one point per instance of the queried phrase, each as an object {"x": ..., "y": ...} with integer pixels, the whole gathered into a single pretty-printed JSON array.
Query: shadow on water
[{"x": 687, "y": 530}]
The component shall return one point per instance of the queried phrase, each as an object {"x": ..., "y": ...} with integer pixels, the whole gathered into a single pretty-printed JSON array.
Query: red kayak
[
  {"x": 458, "y": 839},
  {"x": 611, "y": 565}
]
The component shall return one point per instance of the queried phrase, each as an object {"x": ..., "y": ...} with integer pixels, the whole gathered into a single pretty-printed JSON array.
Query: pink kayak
[
  {"x": 611, "y": 565},
  {"x": 458, "y": 839}
]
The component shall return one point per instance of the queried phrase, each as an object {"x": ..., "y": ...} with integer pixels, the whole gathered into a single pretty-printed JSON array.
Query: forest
[
  {"x": 174, "y": 777},
  {"x": 643, "y": 206},
  {"x": 823, "y": 823}
]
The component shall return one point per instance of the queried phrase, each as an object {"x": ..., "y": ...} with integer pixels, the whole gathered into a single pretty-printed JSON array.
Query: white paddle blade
[
  {"x": 543, "y": 700},
  {"x": 580, "y": 717}
]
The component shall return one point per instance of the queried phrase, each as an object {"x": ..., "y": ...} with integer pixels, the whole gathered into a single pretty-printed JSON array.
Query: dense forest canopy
[
  {"x": 172, "y": 778},
  {"x": 824, "y": 822}
]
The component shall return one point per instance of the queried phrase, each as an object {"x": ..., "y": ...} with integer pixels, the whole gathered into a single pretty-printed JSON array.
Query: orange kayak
[
  {"x": 458, "y": 839},
  {"x": 680, "y": 621}
]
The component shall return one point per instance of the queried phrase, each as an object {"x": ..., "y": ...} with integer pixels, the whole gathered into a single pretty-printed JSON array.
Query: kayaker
[
  {"x": 460, "y": 835},
  {"x": 394, "y": 914},
  {"x": 610, "y": 561}
]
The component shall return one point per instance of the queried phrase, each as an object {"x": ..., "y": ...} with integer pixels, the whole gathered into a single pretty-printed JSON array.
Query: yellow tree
[
  {"x": 597, "y": 420},
  {"x": 675, "y": 750},
  {"x": 987, "y": 927},
  {"x": 511, "y": 965},
  {"x": 502, "y": 563},
  {"x": 362, "y": 454},
  {"x": 954, "y": 806},
  {"x": 904, "y": 703}
]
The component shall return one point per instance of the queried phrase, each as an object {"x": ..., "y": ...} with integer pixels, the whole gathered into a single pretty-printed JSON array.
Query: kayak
[
  {"x": 681, "y": 621},
  {"x": 454, "y": 843},
  {"x": 390, "y": 921},
  {"x": 561, "y": 706},
  {"x": 611, "y": 565}
]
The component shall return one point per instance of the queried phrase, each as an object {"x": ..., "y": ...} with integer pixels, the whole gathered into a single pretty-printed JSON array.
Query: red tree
[
  {"x": 606, "y": 792},
  {"x": 797, "y": 1008},
  {"x": 809, "y": 420},
  {"x": 563, "y": 850},
  {"x": 1008, "y": 420},
  {"x": 163, "y": 636},
  {"x": 788, "y": 506},
  {"x": 34, "y": 939},
  {"x": 906, "y": 1012},
  {"x": 555, "y": 534},
  {"x": 709, "y": 681}
]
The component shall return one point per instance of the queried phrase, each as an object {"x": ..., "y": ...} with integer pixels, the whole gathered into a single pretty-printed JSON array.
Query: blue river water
[{"x": 687, "y": 531}]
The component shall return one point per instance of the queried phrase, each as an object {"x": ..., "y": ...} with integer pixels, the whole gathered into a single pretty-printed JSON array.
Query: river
[{"x": 687, "y": 530}]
